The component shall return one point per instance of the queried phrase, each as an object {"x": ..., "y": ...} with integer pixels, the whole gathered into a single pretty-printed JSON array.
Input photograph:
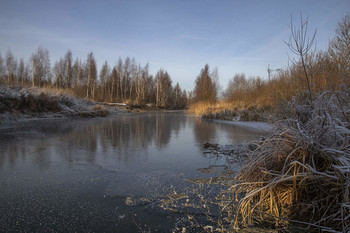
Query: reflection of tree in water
[
  {"x": 162, "y": 130},
  {"x": 10, "y": 154},
  {"x": 13, "y": 153},
  {"x": 203, "y": 131},
  {"x": 41, "y": 157},
  {"x": 166, "y": 124},
  {"x": 238, "y": 134},
  {"x": 84, "y": 140},
  {"x": 179, "y": 123},
  {"x": 126, "y": 133}
]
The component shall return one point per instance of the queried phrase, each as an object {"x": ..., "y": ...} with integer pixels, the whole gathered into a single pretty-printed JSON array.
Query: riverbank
[
  {"x": 296, "y": 178},
  {"x": 20, "y": 103},
  {"x": 223, "y": 110},
  {"x": 30, "y": 103}
]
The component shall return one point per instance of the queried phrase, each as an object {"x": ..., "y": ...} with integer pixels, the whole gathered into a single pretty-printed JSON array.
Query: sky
[{"x": 180, "y": 36}]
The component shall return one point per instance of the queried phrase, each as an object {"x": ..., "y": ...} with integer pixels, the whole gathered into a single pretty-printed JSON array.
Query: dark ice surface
[{"x": 102, "y": 175}]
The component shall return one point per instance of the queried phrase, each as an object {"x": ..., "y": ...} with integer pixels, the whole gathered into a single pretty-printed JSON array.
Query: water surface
[{"x": 102, "y": 174}]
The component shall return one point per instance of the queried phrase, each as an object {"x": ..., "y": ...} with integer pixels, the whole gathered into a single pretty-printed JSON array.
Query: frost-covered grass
[
  {"x": 302, "y": 170},
  {"x": 21, "y": 103},
  {"x": 296, "y": 179}
]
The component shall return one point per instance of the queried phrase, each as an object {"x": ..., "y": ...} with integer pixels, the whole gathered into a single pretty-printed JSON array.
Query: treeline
[
  {"x": 312, "y": 73},
  {"x": 127, "y": 81}
]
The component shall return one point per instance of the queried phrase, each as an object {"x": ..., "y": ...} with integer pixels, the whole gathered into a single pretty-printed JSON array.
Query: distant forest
[{"x": 126, "y": 82}]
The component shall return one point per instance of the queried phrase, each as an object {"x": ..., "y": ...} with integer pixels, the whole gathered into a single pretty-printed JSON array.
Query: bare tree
[
  {"x": 112, "y": 85},
  {"x": 177, "y": 96},
  {"x": 133, "y": 74},
  {"x": 40, "y": 66},
  {"x": 114, "y": 90},
  {"x": 126, "y": 76},
  {"x": 138, "y": 83},
  {"x": 11, "y": 65},
  {"x": 68, "y": 68},
  {"x": 339, "y": 47},
  {"x": 144, "y": 82},
  {"x": 27, "y": 73},
  {"x": 184, "y": 100},
  {"x": 205, "y": 89},
  {"x": 92, "y": 76},
  {"x": 21, "y": 72},
  {"x": 58, "y": 72},
  {"x": 77, "y": 74},
  {"x": 164, "y": 88},
  {"x": 120, "y": 74},
  {"x": 236, "y": 86},
  {"x": 301, "y": 44},
  {"x": 2, "y": 68},
  {"x": 215, "y": 79},
  {"x": 104, "y": 76}
]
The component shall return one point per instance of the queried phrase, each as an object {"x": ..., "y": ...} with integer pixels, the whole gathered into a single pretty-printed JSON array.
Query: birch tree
[
  {"x": 164, "y": 88},
  {"x": 21, "y": 74},
  {"x": 91, "y": 76},
  {"x": 68, "y": 68},
  {"x": 126, "y": 77},
  {"x": 11, "y": 65},
  {"x": 40, "y": 66},
  {"x": 114, "y": 84},
  {"x": 120, "y": 73},
  {"x": 77, "y": 74},
  {"x": 104, "y": 77},
  {"x": 58, "y": 71},
  {"x": 177, "y": 96},
  {"x": 2, "y": 68}
]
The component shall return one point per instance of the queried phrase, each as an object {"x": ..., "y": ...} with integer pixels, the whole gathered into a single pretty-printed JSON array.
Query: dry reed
[
  {"x": 302, "y": 170},
  {"x": 224, "y": 110}
]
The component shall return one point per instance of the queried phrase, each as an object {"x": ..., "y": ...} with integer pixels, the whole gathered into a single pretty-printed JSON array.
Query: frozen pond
[{"x": 102, "y": 174}]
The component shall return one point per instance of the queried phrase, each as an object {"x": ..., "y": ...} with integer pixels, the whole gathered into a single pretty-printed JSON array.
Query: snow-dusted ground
[
  {"x": 17, "y": 103},
  {"x": 253, "y": 125}
]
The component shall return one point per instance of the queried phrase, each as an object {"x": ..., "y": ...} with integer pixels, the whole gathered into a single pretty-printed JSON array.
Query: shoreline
[
  {"x": 260, "y": 126},
  {"x": 21, "y": 104}
]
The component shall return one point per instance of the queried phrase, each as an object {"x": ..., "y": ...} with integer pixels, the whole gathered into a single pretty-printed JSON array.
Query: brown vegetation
[
  {"x": 313, "y": 73},
  {"x": 206, "y": 89}
]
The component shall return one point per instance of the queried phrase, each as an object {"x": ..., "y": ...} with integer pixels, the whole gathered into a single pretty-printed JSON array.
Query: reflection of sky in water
[{"x": 130, "y": 155}]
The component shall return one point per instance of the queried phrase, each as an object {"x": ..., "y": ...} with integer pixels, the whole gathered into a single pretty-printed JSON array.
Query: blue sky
[{"x": 179, "y": 36}]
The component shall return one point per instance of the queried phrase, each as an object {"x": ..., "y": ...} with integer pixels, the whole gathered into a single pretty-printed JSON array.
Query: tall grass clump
[
  {"x": 200, "y": 107},
  {"x": 301, "y": 172}
]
